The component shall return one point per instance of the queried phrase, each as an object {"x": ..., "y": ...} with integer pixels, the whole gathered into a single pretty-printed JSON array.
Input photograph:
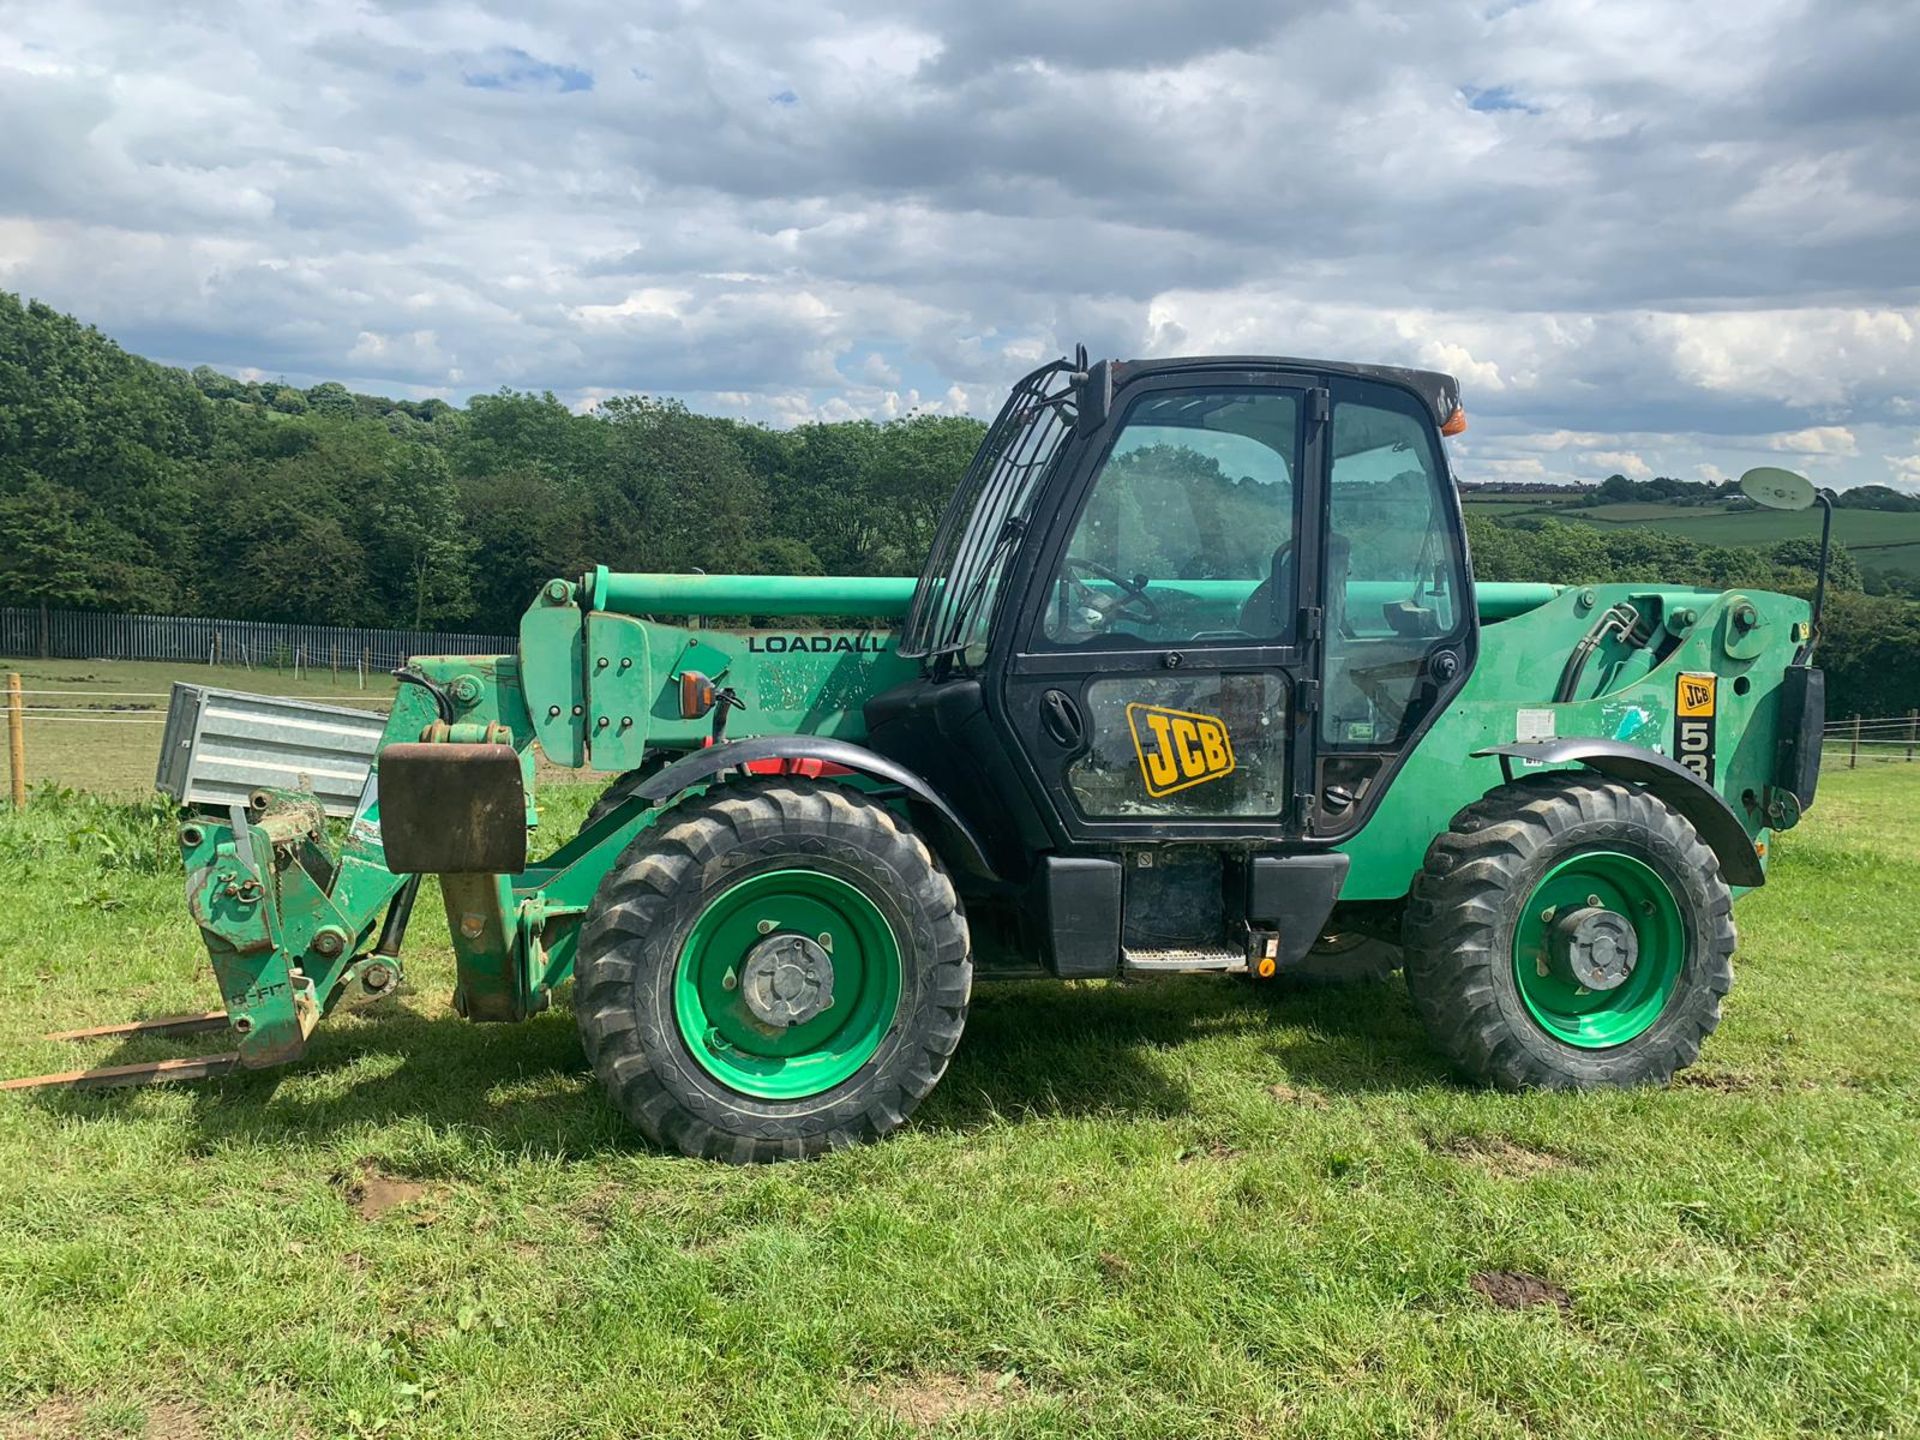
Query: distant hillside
[
  {"x": 1665, "y": 490},
  {"x": 1881, "y": 532}
]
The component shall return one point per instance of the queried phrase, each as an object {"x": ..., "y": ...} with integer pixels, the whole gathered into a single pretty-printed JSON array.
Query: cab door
[{"x": 1159, "y": 675}]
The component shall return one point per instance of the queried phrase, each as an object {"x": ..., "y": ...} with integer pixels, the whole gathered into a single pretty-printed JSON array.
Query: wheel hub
[
  {"x": 1593, "y": 947},
  {"x": 787, "y": 980}
]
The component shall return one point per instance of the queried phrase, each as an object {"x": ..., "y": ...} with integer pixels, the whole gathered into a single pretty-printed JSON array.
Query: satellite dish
[{"x": 1777, "y": 489}]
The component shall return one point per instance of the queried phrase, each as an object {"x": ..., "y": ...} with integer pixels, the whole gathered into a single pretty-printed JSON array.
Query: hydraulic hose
[
  {"x": 442, "y": 702},
  {"x": 1620, "y": 619}
]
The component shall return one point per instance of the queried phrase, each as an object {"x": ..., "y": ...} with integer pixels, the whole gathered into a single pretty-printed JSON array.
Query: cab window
[
  {"x": 1395, "y": 574},
  {"x": 1187, "y": 533}
]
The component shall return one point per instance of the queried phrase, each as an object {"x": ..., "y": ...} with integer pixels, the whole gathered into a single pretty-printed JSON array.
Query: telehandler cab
[{"x": 1196, "y": 673}]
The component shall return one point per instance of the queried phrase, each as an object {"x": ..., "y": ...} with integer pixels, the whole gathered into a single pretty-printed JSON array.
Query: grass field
[
  {"x": 95, "y": 724},
  {"x": 1882, "y": 541},
  {"x": 1173, "y": 1209}
]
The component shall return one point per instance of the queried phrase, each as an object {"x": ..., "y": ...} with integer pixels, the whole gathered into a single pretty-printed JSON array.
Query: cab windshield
[{"x": 1188, "y": 531}]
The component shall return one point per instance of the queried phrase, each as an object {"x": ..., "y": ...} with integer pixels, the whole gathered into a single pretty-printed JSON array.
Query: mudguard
[
  {"x": 1706, "y": 809},
  {"x": 950, "y": 836}
]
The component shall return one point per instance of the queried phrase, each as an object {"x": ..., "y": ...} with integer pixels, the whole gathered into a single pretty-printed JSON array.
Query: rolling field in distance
[{"x": 1885, "y": 541}]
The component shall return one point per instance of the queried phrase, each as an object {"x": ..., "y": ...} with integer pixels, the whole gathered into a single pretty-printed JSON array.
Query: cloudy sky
[{"x": 1677, "y": 238}]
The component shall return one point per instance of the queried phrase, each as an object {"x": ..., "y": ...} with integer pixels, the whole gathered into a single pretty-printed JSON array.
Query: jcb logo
[
  {"x": 1693, "y": 716},
  {"x": 1178, "y": 748}
]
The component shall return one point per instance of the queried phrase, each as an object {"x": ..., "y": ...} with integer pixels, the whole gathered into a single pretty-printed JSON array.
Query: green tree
[
  {"x": 417, "y": 549},
  {"x": 333, "y": 399},
  {"x": 43, "y": 549},
  {"x": 526, "y": 527}
]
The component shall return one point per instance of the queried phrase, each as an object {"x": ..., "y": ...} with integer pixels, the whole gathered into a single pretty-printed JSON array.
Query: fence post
[
  {"x": 1853, "y": 755},
  {"x": 16, "y": 740},
  {"x": 1913, "y": 732}
]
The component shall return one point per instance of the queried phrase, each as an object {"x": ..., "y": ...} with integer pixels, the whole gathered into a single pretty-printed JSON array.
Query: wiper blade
[{"x": 1010, "y": 531}]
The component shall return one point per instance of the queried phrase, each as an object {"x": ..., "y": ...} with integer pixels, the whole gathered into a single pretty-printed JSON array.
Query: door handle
[{"x": 1061, "y": 719}]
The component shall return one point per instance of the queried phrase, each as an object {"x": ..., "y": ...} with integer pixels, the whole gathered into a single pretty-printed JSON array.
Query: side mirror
[
  {"x": 1095, "y": 398},
  {"x": 1777, "y": 489}
]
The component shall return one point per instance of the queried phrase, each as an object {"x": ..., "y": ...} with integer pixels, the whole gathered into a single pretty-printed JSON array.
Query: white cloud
[
  {"x": 1524, "y": 469},
  {"x": 1620, "y": 462},
  {"x": 1645, "y": 231},
  {"x": 1816, "y": 440},
  {"x": 1906, "y": 468}
]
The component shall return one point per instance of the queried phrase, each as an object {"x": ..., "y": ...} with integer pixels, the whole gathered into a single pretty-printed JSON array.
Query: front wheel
[
  {"x": 1569, "y": 932},
  {"x": 775, "y": 969}
]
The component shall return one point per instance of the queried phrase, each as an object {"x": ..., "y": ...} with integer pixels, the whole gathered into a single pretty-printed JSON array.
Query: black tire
[
  {"x": 647, "y": 906},
  {"x": 1467, "y": 899}
]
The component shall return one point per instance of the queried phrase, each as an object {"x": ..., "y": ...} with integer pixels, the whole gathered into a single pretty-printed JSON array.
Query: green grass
[
  {"x": 106, "y": 734},
  {"x": 1107, "y": 1221}
]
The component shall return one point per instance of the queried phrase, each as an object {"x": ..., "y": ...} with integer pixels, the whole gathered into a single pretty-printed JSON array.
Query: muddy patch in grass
[
  {"x": 1212, "y": 1150},
  {"x": 57, "y": 1415},
  {"x": 1516, "y": 1290},
  {"x": 1497, "y": 1156},
  {"x": 926, "y": 1402},
  {"x": 372, "y": 1193},
  {"x": 169, "y": 1420},
  {"x": 60, "y": 1416},
  {"x": 1290, "y": 1095}
]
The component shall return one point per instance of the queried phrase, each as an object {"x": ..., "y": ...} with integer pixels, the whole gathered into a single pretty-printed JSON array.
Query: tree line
[
  {"x": 1617, "y": 489},
  {"x": 131, "y": 486}
]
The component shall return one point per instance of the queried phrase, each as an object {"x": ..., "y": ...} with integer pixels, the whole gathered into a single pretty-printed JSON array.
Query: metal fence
[
  {"x": 248, "y": 644},
  {"x": 1860, "y": 739}
]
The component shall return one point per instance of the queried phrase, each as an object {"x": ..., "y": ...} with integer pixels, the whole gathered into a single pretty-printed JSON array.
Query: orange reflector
[
  {"x": 1266, "y": 967},
  {"x": 1456, "y": 422},
  {"x": 696, "y": 694}
]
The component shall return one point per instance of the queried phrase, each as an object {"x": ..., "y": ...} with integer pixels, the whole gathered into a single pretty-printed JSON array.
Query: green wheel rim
[
  {"x": 1598, "y": 1019},
  {"x": 811, "y": 1057}
]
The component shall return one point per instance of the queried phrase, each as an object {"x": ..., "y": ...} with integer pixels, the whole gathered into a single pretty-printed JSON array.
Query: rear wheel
[
  {"x": 1569, "y": 932},
  {"x": 774, "y": 970}
]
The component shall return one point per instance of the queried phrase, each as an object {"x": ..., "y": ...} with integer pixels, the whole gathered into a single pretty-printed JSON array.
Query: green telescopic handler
[{"x": 1196, "y": 677}]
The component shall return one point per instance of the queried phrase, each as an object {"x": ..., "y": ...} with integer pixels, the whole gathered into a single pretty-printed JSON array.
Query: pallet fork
[{"x": 153, "y": 1072}]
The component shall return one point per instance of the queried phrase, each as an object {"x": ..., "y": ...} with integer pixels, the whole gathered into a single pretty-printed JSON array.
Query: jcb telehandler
[{"x": 1195, "y": 674}]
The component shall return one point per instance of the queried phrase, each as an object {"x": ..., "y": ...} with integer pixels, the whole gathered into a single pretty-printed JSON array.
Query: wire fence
[
  {"x": 341, "y": 650},
  {"x": 139, "y": 707},
  {"x": 1868, "y": 740}
]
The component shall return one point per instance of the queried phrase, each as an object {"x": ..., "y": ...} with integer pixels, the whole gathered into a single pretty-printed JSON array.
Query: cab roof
[{"x": 1438, "y": 391}]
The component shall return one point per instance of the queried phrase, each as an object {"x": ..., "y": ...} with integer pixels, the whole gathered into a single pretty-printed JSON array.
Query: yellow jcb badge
[
  {"x": 1178, "y": 748},
  {"x": 1694, "y": 694}
]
